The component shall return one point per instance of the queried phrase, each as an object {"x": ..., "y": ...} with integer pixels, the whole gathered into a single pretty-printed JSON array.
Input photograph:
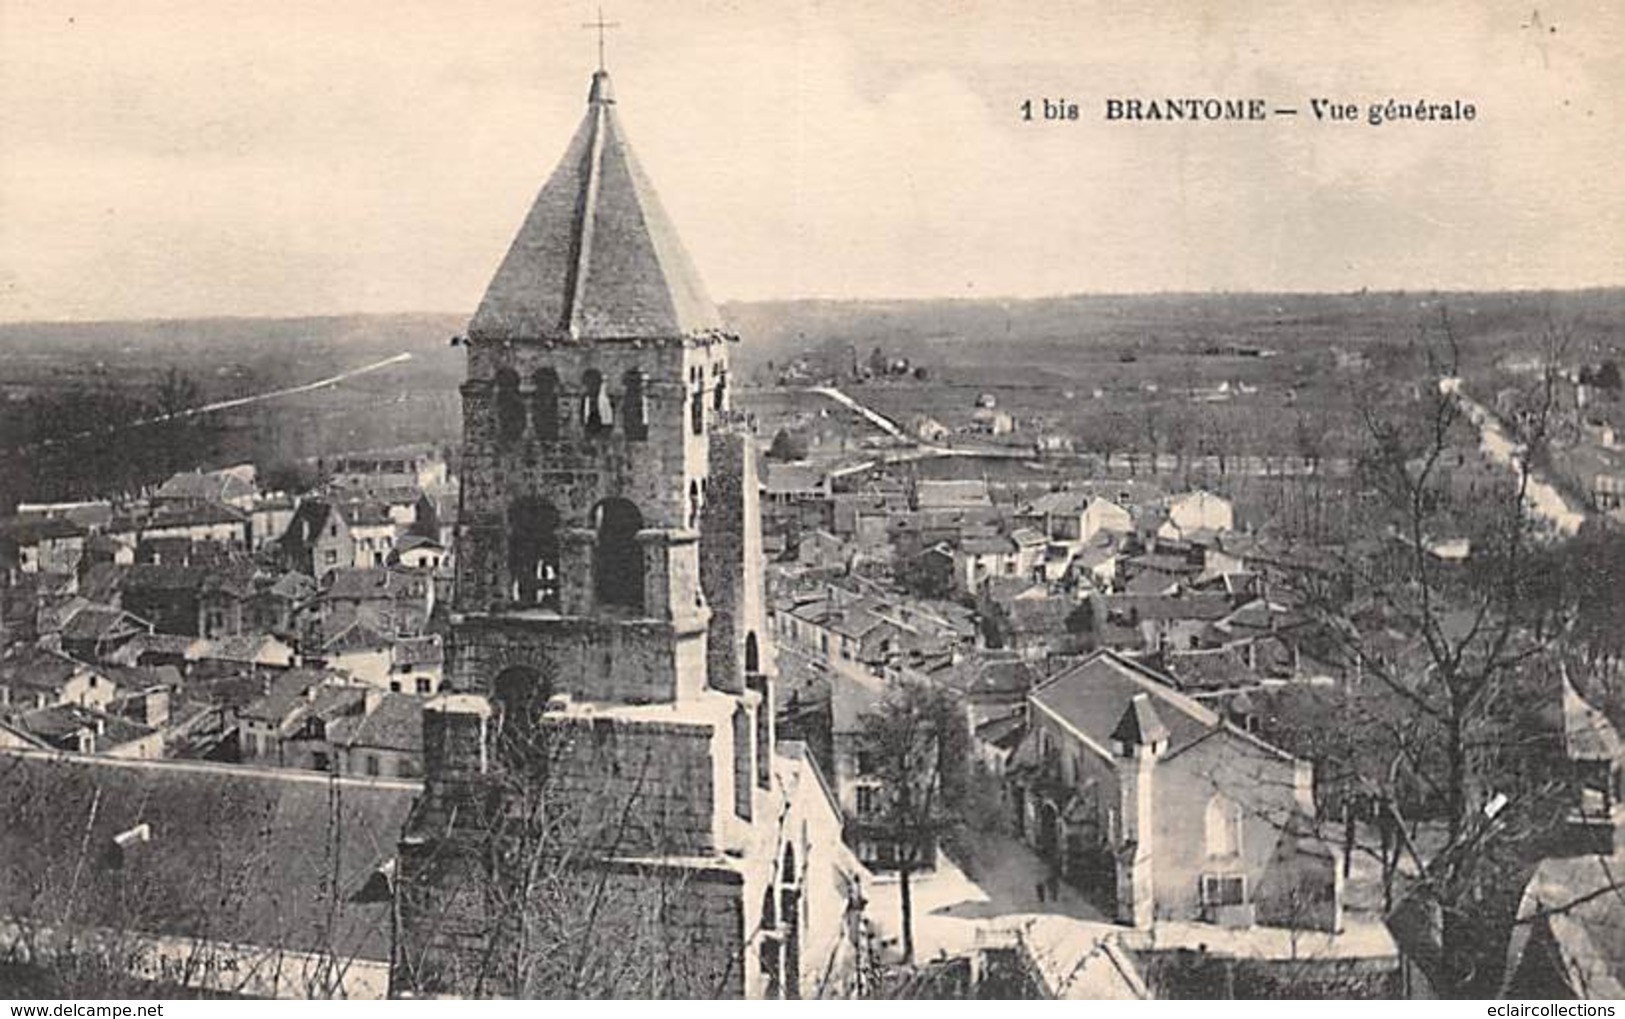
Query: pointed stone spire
[{"x": 596, "y": 259}]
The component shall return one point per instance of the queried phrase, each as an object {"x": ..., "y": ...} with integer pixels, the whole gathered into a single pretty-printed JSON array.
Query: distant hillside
[
  {"x": 1049, "y": 332},
  {"x": 55, "y": 375}
]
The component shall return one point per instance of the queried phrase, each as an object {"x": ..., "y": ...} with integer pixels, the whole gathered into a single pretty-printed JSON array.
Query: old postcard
[{"x": 812, "y": 499}]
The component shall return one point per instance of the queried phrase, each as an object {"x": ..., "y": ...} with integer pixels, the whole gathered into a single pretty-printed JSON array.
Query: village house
[
  {"x": 1094, "y": 568},
  {"x": 155, "y": 649},
  {"x": 42, "y": 544},
  {"x": 990, "y": 684},
  {"x": 951, "y": 495},
  {"x": 234, "y": 486},
  {"x": 384, "y": 740},
  {"x": 795, "y": 496},
  {"x": 32, "y": 678},
  {"x": 1152, "y": 623},
  {"x": 92, "y": 631},
  {"x": 205, "y": 600},
  {"x": 318, "y": 540},
  {"x": 246, "y": 652},
  {"x": 298, "y": 727},
  {"x": 265, "y": 721},
  {"x": 990, "y": 421},
  {"x": 416, "y": 665},
  {"x": 1076, "y": 515},
  {"x": 268, "y": 519},
  {"x": 1599, "y": 472},
  {"x": 395, "y": 601},
  {"x": 77, "y": 729},
  {"x": 1163, "y": 811},
  {"x": 215, "y": 523},
  {"x": 368, "y": 654},
  {"x": 91, "y": 514},
  {"x": 417, "y": 552},
  {"x": 841, "y": 628},
  {"x": 1036, "y": 628},
  {"x": 279, "y": 602},
  {"x": 407, "y": 467},
  {"x": 980, "y": 559},
  {"x": 440, "y": 520},
  {"x": 373, "y": 529},
  {"x": 360, "y": 649},
  {"x": 928, "y": 429},
  {"x": 866, "y": 517},
  {"x": 822, "y": 551},
  {"x": 1196, "y": 513}
]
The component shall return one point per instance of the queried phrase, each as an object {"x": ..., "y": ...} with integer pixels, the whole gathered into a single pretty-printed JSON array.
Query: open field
[
  {"x": 1266, "y": 374},
  {"x": 1114, "y": 374}
]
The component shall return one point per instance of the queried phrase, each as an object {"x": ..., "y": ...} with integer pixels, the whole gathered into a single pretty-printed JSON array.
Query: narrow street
[
  {"x": 1543, "y": 497},
  {"x": 995, "y": 881}
]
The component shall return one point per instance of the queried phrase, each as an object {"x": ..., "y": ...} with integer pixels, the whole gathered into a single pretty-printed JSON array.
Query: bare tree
[
  {"x": 918, "y": 743},
  {"x": 1446, "y": 661}
]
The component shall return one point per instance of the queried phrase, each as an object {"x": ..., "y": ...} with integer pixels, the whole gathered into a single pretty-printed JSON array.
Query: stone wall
[{"x": 591, "y": 659}]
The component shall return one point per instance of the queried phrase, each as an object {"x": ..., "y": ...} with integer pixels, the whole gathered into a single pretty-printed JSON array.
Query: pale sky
[{"x": 165, "y": 158}]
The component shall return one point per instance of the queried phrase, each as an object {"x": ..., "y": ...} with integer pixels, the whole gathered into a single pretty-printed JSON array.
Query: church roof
[{"x": 596, "y": 258}]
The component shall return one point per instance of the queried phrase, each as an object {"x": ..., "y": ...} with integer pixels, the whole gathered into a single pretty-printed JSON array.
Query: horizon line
[{"x": 825, "y": 299}]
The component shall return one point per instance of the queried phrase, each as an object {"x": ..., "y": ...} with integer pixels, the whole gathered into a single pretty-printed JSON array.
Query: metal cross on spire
[{"x": 601, "y": 24}]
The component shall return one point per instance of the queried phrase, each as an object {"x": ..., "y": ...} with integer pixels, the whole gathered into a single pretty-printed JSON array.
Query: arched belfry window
[
  {"x": 544, "y": 404},
  {"x": 694, "y": 504},
  {"x": 597, "y": 415},
  {"x": 719, "y": 395},
  {"x": 617, "y": 557},
  {"x": 635, "y": 404},
  {"x": 696, "y": 408},
  {"x": 510, "y": 406},
  {"x": 753, "y": 653},
  {"x": 533, "y": 552}
]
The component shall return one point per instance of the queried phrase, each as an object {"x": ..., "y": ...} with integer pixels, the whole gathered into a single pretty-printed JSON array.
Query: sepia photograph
[{"x": 811, "y": 499}]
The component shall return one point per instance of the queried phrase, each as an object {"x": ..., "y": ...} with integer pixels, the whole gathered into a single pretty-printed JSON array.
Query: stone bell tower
[
  {"x": 597, "y": 373},
  {"x": 608, "y": 620}
]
